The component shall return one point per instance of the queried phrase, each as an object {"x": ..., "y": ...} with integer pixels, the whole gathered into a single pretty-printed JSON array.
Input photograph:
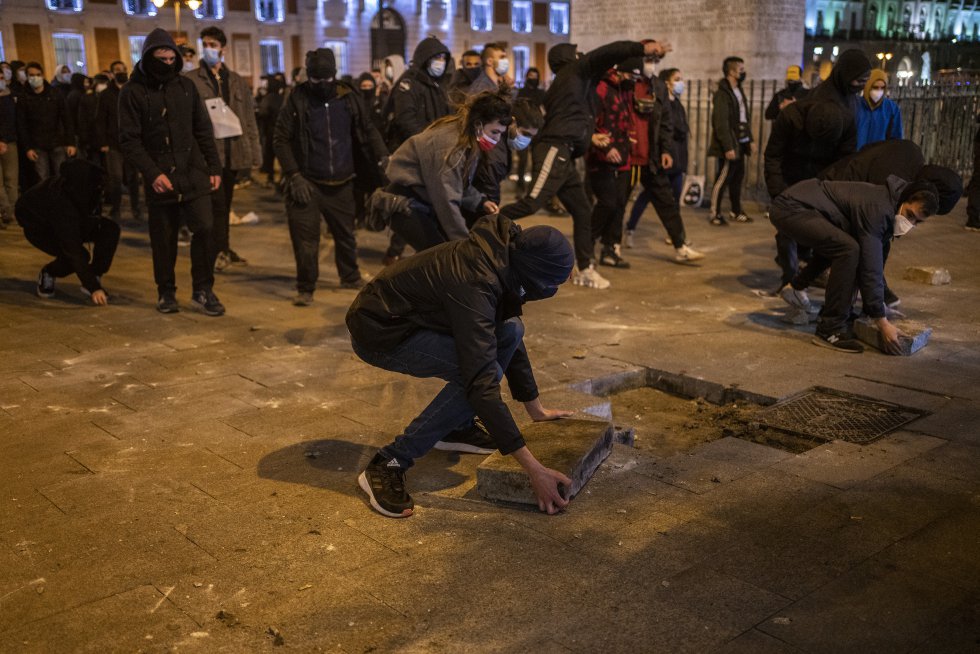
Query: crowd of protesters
[{"x": 422, "y": 150}]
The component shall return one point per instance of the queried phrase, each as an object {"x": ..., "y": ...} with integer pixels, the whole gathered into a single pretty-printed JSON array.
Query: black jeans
[
  {"x": 335, "y": 204},
  {"x": 730, "y": 175},
  {"x": 555, "y": 175},
  {"x": 611, "y": 188},
  {"x": 420, "y": 229},
  {"x": 165, "y": 221},
  {"x": 104, "y": 240},
  {"x": 659, "y": 190},
  {"x": 121, "y": 174},
  {"x": 831, "y": 245},
  {"x": 221, "y": 210}
]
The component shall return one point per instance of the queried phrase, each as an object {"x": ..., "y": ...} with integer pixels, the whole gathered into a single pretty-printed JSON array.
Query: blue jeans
[{"x": 430, "y": 354}]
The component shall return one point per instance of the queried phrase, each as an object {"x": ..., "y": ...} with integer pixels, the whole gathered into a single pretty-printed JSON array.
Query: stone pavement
[{"x": 185, "y": 483}]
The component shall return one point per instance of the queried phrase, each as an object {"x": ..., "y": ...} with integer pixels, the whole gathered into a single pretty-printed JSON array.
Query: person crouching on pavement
[
  {"x": 453, "y": 312},
  {"x": 59, "y": 216},
  {"x": 324, "y": 136},
  {"x": 848, "y": 224}
]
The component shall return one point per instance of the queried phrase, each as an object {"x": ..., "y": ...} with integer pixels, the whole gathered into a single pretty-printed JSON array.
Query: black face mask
[
  {"x": 471, "y": 73},
  {"x": 741, "y": 77},
  {"x": 121, "y": 78},
  {"x": 158, "y": 70},
  {"x": 532, "y": 293},
  {"x": 323, "y": 90},
  {"x": 368, "y": 95},
  {"x": 795, "y": 84},
  {"x": 532, "y": 83}
]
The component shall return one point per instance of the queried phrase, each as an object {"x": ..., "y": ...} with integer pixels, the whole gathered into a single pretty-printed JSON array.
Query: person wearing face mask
[
  {"x": 494, "y": 166},
  {"x": 267, "y": 115},
  {"x": 434, "y": 172},
  {"x": 59, "y": 216},
  {"x": 534, "y": 94},
  {"x": 452, "y": 312},
  {"x": 417, "y": 99},
  {"x": 493, "y": 74},
  {"x": 214, "y": 80},
  {"x": 86, "y": 116},
  {"x": 324, "y": 137},
  {"x": 566, "y": 135},
  {"x": 847, "y": 225},
  {"x": 878, "y": 116},
  {"x": 9, "y": 164},
  {"x": 120, "y": 173},
  {"x": 794, "y": 91},
  {"x": 44, "y": 130},
  {"x": 731, "y": 142},
  {"x": 469, "y": 69},
  {"x": 674, "y": 81},
  {"x": 61, "y": 82},
  {"x": 188, "y": 54},
  {"x": 165, "y": 132}
]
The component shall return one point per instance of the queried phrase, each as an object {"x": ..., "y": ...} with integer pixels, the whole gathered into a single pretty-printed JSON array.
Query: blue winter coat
[{"x": 878, "y": 124}]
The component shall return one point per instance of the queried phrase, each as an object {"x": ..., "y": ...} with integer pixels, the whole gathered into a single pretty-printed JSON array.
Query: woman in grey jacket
[{"x": 435, "y": 169}]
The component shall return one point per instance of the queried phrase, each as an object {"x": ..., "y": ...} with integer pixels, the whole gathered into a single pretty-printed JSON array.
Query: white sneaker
[
  {"x": 251, "y": 218},
  {"x": 687, "y": 253},
  {"x": 628, "y": 241},
  {"x": 590, "y": 278},
  {"x": 233, "y": 218},
  {"x": 795, "y": 298}
]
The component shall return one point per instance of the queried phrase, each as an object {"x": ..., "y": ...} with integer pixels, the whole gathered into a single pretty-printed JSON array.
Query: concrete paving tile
[
  {"x": 957, "y": 421},
  {"x": 138, "y": 619},
  {"x": 872, "y": 607},
  {"x": 955, "y": 459},
  {"x": 209, "y": 389},
  {"x": 843, "y": 464},
  {"x": 35, "y": 358},
  {"x": 958, "y": 634},
  {"x": 754, "y": 641}
]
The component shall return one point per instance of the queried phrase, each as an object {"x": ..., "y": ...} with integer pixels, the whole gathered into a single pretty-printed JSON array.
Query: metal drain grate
[{"x": 829, "y": 414}]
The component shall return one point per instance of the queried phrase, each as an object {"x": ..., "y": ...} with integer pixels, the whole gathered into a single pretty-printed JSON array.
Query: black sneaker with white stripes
[
  {"x": 839, "y": 342},
  {"x": 384, "y": 482}
]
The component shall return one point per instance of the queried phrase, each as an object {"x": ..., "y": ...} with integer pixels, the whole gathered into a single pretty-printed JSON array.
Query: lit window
[
  {"x": 558, "y": 17},
  {"x": 64, "y": 5},
  {"x": 481, "y": 15},
  {"x": 69, "y": 49},
  {"x": 211, "y": 9},
  {"x": 270, "y": 11},
  {"x": 271, "y": 56},
  {"x": 520, "y": 16},
  {"x": 139, "y": 7},
  {"x": 340, "y": 54},
  {"x": 522, "y": 58},
  {"x": 136, "y": 48},
  {"x": 2, "y": 56}
]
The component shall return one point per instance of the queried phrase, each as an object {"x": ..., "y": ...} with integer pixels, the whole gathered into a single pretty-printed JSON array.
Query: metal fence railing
[{"x": 940, "y": 117}]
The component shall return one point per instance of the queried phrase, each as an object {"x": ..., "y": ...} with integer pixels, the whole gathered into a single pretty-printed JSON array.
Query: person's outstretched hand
[
  {"x": 100, "y": 298},
  {"x": 538, "y": 413},
  {"x": 890, "y": 336}
]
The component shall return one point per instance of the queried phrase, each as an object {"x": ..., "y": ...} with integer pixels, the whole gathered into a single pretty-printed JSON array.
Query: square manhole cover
[{"x": 829, "y": 414}]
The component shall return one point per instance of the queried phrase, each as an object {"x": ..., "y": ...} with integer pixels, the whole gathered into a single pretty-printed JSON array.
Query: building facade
[
  {"x": 266, "y": 36},
  {"x": 922, "y": 41}
]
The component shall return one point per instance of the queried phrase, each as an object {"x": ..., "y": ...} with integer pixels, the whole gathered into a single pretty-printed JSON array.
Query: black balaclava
[
  {"x": 948, "y": 185},
  {"x": 155, "y": 69},
  {"x": 368, "y": 94},
  {"x": 851, "y": 65},
  {"x": 560, "y": 55},
  {"x": 82, "y": 182},
  {"x": 541, "y": 259},
  {"x": 322, "y": 65}
]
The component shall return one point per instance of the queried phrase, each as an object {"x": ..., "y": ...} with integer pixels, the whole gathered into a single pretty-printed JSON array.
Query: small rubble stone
[
  {"x": 926, "y": 275},
  {"x": 914, "y": 335}
]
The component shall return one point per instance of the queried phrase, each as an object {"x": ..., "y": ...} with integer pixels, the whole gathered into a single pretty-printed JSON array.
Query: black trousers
[
  {"x": 335, "y": 204},
  {"x": 119, "y": 174},
  {"x": 104, "y": 241},
  {"x": 611, "y": 188},
  {"x": 555, "y": 175},
  {"x": 420, "y": 229},
  {"x": 831, "y": 245},
  {"x": 221, "y": 210},
  {"x": 659, "y": 187},
  {"x": 730, "y": 175},
  {"x": 164, "y": 223}
]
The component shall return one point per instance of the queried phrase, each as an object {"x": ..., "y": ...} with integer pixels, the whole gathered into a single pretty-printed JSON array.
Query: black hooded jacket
[
  {"x": 569, "y": 102},
  {"x": 851, "y": 65},
  {"x": 465, "y": 288},
  {"x": 106, "y": 130},
  {"x": 417, "y": 100},
  {"x": 877, "y": 162},
  {"x": 67, "y": 206},
  {"x": 42, "y": 120},
  {"x": 164, "y": 128},
  {"x": 865, "y": 211}
]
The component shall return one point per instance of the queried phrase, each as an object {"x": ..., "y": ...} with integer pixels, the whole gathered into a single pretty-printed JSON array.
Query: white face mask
[
  {"x": 877, "y": 95},
  {"x": 649, "y": 69},
  {"x": 36, "y": 81},
  {"x": 21, "y": 76},
  {"x": 902, "y": 225},
  {"x": 3, "y": 85},
  {"x": 503, "y": 65},
  {"x": 678, "y": 87},
  {"x": 99, "y": 88},
  {"x": 8, "y": 74},
  {"x": 389, "y": 73},
  {"x": 188, "y": 66},
  {"x": 437, "y": 68}
]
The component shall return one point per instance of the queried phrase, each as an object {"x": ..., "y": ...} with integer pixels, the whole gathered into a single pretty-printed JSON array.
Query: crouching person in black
[
  {"x": 323, "y": 138},
  {"x": 848, "y": 225},
  {"x": 165, "y": 133},
  {"x": 453, "y": 312},
  {"x": 59, "y": 216}
]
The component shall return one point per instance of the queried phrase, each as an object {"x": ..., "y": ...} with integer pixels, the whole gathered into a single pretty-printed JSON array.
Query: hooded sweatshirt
[
  {"x": 417, "y": 99},
  {"x": 67, "y": 207},
  {"x": 877, "y": 121},
  {"x": 465, "y": 288}
]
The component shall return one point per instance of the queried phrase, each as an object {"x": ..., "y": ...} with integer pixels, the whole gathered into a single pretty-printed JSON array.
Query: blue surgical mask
[
  {"x": 519, "y": 142},
  {"x": 211, "y": 56},
  {"x": 436, "y": 68},
  {"x": 678, "y": 88}
]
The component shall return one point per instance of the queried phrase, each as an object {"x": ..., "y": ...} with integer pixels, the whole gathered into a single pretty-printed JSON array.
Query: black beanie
[
  {"x": 949, "y": 186},
  {"x": 542, "y": 259},
  {"x": 824, "y": 122},
  {"x": 851, "y": 65},
  {"x": 321, "y": 64}
]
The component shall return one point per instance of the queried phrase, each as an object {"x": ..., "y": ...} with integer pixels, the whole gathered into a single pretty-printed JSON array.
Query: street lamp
[
  {"x": 882, "y": 57},
  {"x": 193, "y": 5}
]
